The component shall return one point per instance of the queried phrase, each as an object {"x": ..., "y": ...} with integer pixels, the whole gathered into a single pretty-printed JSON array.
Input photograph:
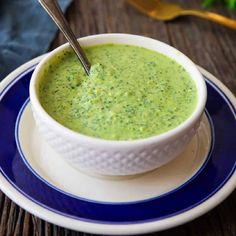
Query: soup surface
[{"x": 131, "y": 93}]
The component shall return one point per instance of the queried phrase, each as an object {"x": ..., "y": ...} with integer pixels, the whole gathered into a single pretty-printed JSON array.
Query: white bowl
[{"x": 119, "y": 157}]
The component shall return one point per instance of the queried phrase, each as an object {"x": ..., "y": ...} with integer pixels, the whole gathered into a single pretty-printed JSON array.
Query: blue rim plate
[{"x": 212, "y": 185}]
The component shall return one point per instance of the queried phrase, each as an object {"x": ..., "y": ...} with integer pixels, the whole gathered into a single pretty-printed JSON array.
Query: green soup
[{"x": 131, "y": 93}]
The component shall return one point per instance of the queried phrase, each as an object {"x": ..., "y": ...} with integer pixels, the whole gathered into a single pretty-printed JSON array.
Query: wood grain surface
[{"x": 207, "y": 44}]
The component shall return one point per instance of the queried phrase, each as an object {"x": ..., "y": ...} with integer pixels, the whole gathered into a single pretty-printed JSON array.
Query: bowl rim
[{"x": 89, "y": 140}]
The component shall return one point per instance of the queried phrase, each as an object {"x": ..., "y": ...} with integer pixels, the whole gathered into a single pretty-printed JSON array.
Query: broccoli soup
[{"x": 131, "y": 92}]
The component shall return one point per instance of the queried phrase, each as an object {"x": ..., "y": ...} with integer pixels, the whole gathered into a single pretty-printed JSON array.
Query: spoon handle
[
  {"x": 55, "y": 12},
  {"x": 212, "y": 17}
]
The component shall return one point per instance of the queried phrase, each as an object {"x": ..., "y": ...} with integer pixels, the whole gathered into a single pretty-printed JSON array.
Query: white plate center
[{"x": 51, "y": 168}]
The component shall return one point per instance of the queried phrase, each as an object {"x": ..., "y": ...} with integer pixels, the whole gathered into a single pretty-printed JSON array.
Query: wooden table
[{"x": 208, "y": 45}]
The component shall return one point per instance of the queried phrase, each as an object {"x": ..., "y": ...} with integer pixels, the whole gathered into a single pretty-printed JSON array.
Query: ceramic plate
[{"x": 37, "y": 179}]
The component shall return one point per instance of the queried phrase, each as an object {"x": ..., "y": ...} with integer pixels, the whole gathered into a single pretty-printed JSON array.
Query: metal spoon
[
  {"x": 55, "y": 12},
  {"x": 162, "y": 10}
]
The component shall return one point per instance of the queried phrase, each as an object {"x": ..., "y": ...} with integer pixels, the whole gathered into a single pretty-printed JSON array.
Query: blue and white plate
[{"x": 37, "y": 179}]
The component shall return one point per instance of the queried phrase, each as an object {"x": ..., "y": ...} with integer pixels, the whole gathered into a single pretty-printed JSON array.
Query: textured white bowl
[{"x": 119, "y": 157}]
